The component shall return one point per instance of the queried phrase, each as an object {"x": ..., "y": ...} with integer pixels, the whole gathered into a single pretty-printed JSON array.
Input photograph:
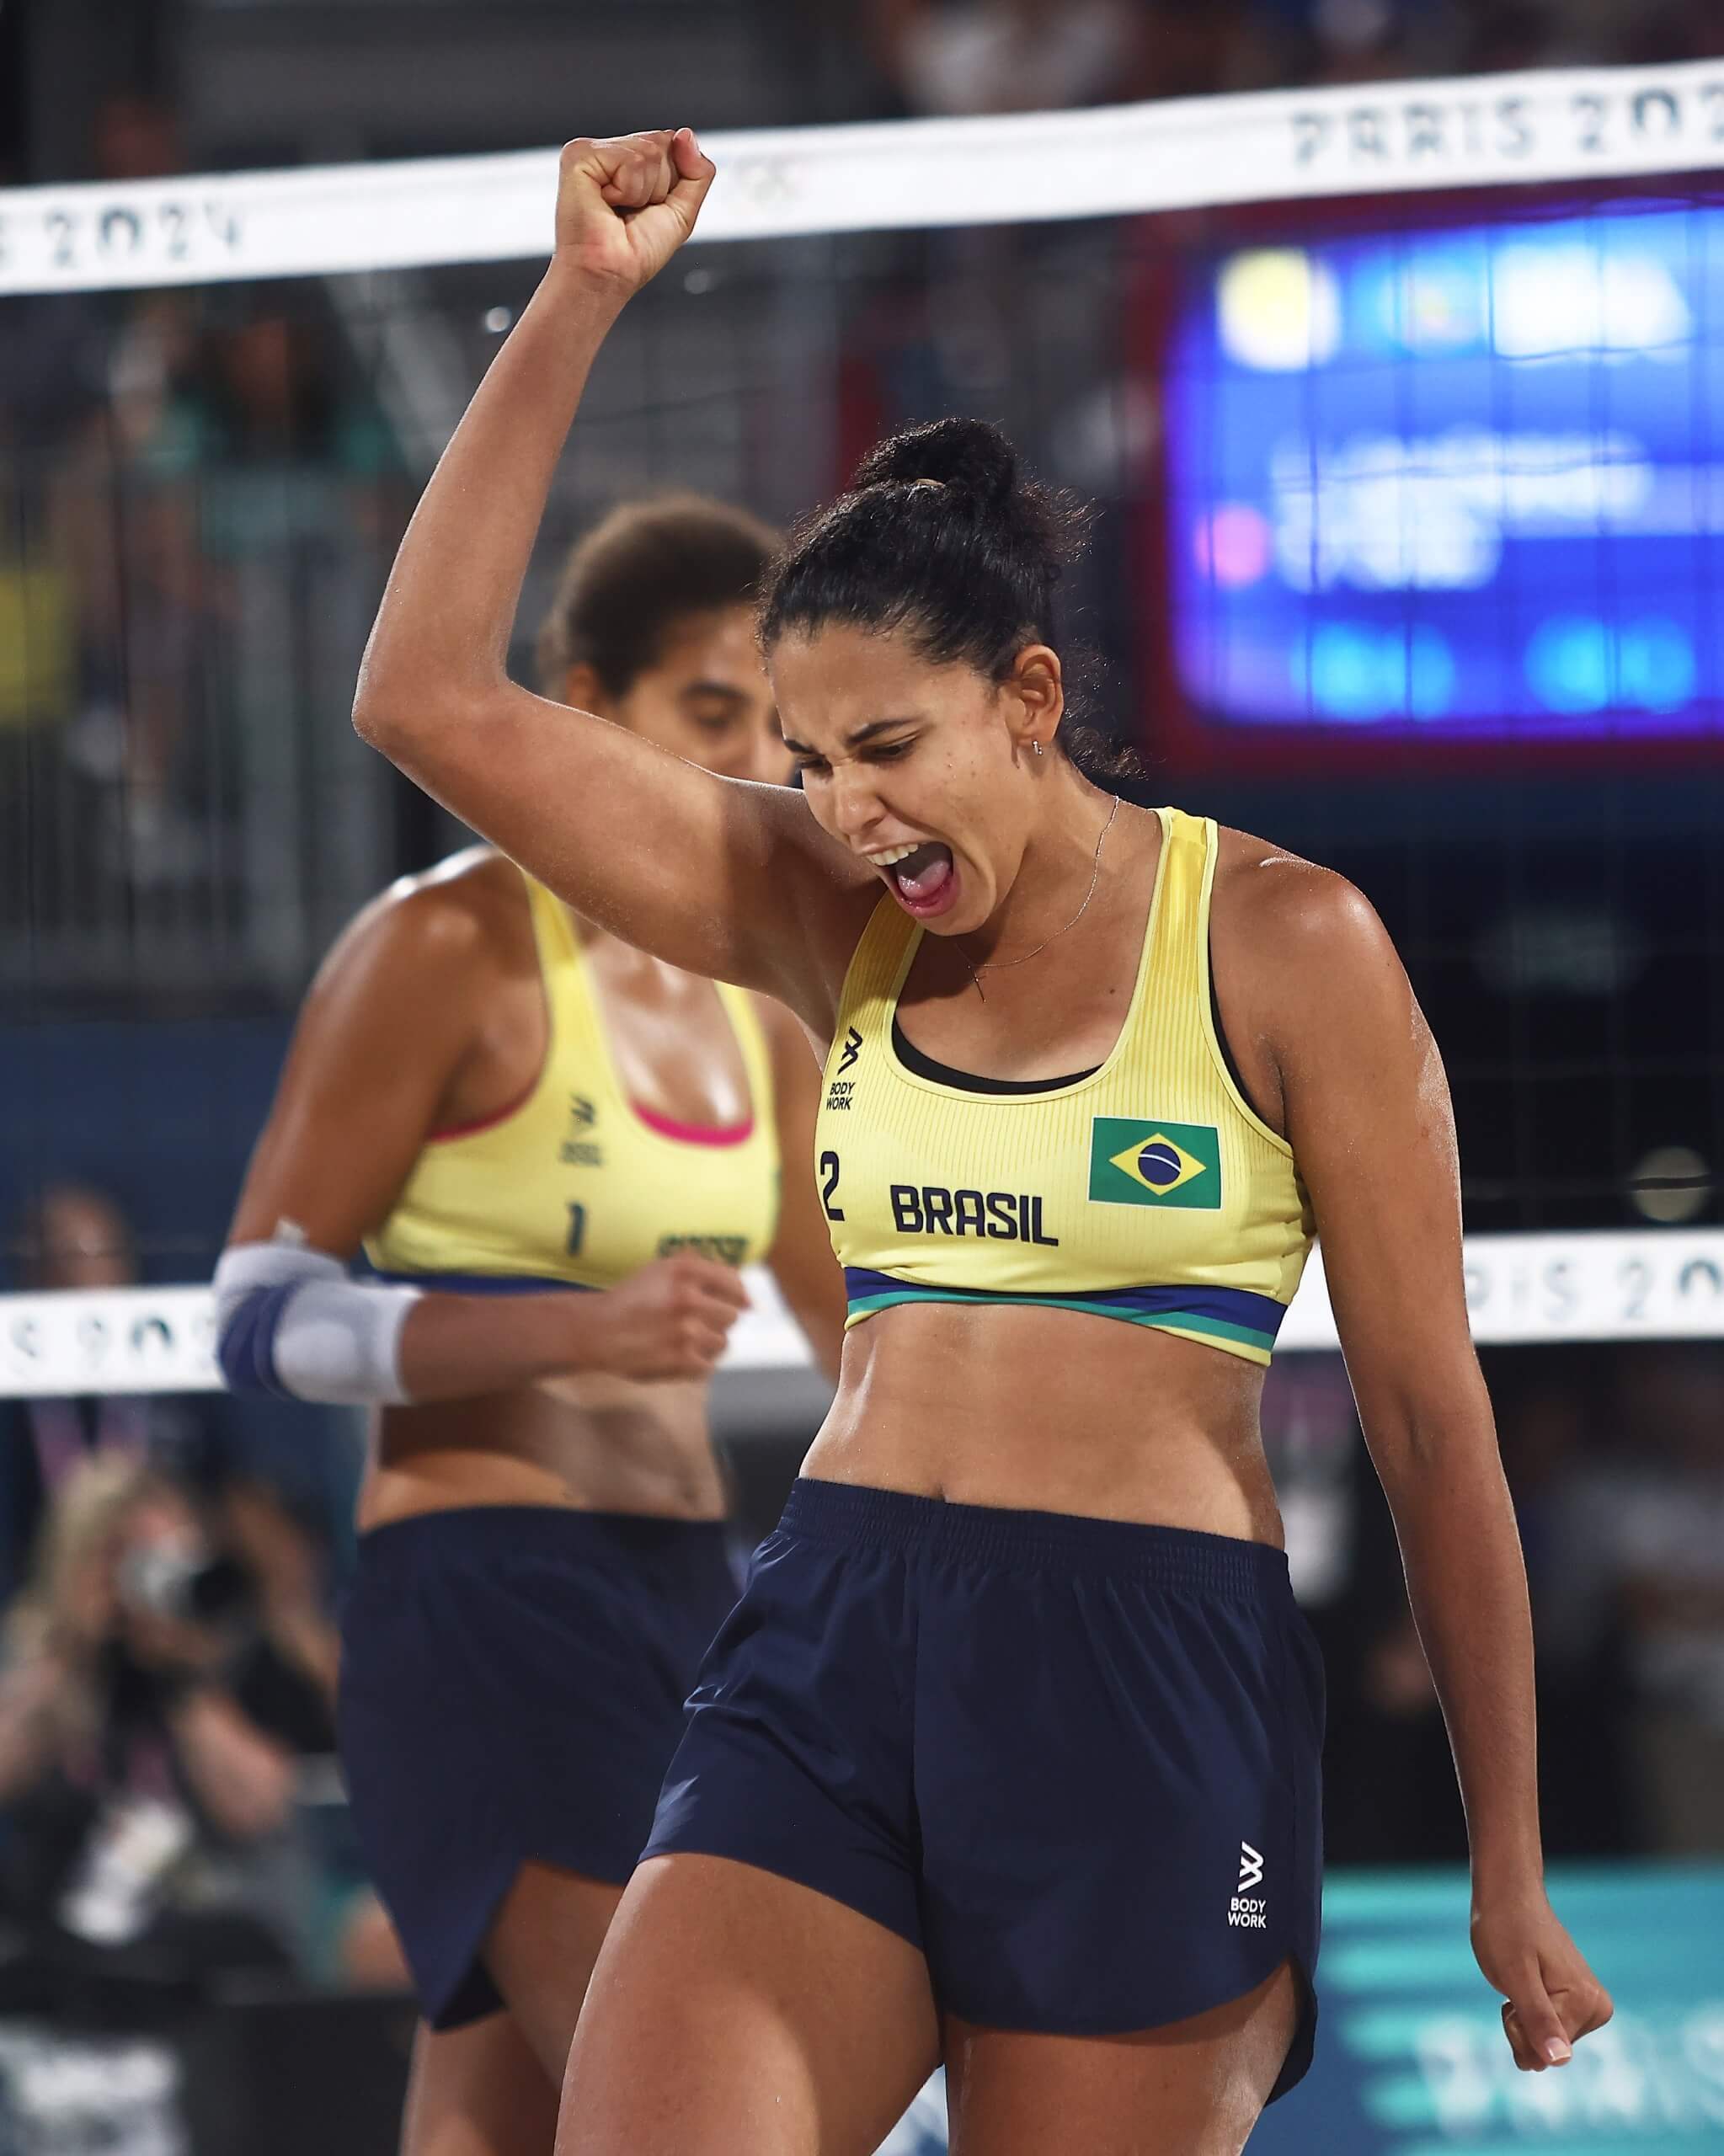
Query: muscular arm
[
  {"x": 808, "y": 1274},
  {"x": 1369, "y": 1118},
  {"x": 1368, "y": 1115},
  {"x": 720, "y": 876}
]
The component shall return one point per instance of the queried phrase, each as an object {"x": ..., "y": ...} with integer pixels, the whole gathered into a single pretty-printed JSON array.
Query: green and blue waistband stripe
[{"x": 1221, "y": 1313}]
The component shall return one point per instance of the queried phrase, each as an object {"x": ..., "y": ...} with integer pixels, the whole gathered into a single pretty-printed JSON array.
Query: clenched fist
[
  {"x": 625, "y": 205},
  {"x": 670, "y": 1320},
  {"x": 1553, "y": 1998}
]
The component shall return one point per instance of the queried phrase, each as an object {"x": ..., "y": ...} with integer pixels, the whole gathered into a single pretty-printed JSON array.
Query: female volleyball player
[
  {"x": 498, "y": 1098},
  {"x": 1009, "y": 1752}
]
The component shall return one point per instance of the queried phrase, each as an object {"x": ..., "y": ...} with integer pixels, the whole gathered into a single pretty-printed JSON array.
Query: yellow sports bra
[
  {"x": 576, "y": 1187},
  {"x": 1147, "y": 1189}
]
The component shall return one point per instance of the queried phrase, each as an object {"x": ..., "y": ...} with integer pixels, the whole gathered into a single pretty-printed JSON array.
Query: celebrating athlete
[
  {"x": 506, "y": 1103},
  {"x": 1009, "y": 1753}
]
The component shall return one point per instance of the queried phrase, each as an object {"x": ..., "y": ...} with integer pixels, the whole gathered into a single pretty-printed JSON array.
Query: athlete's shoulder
[
  {"x": 1304, "y": 948},
  {"x": 465, "y": 920},
  {"x": 1288, "y": 907}
]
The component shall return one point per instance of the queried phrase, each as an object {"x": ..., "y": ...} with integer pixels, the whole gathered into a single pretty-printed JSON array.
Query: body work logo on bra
[{"x": 1138, "y": 1163}]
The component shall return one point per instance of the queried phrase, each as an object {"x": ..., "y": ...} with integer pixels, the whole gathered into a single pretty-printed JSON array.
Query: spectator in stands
[
  {"x": 1022, "y": 56},
  {"x": 1656, "y": 1524},
  {"x": 1585, "y": 1742},
  {"x": 63, "y": 379},
  {"x": 294, "y": 1653},
  {"x": 53, "y": 367},
  {"x": 1678, "y": 30},
  {"x": 1389, "y": 1796},
  {"x": 1500, "y": 36},
  {"x": 1011, "y": 56},
  {"x": 74, "y": 1235},
  {"x": 238, "y": 460},
  {"x": 136, "y": 135},
  {"x": 1388, "y": 1790},
  {"x": 285, "y": 1675},
  {"x": 134, "y": 1782}
]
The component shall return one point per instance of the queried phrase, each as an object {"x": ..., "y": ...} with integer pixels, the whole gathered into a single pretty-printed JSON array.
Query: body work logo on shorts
[
  {"x": 1134, "y": 1162},
  {"x": 1249, "y": 1911}
]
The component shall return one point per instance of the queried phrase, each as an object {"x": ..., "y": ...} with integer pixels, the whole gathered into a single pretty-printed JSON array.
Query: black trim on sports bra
[
  {"x": 1233, "y": 1070},
  {"x": 969, "y": 1081}
]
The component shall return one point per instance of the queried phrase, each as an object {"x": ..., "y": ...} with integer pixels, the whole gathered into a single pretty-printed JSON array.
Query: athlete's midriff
[
  {"x": 578, "y": 1179},
  {"x": 593, "y": 1444},
  {"x": 1051, "y": 1410}
]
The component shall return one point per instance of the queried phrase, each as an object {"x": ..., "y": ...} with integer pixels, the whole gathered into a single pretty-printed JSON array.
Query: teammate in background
[
  {"x": 503, "y": 1100},
  {"x": 1009, "y": 1753}
]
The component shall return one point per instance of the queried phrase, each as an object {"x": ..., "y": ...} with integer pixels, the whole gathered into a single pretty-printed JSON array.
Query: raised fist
[{"x": 625, "y": 205}]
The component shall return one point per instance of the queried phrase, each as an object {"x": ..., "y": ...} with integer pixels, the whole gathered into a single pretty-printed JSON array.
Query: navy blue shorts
[
  {"x": 512, "y": 1685},
  {"x": 1076, "y": 1761}
]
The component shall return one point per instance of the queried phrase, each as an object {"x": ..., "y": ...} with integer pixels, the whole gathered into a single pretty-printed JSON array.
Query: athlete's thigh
[
  {"x": 1194, "y": 2088},
  {"x": 734, "y": 2012},
  {"x": 539, "y": 1952},
  {"x": 478, "y": 2091}
]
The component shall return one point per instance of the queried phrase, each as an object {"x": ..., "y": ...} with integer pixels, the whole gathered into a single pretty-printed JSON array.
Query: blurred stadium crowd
[
  {"x": 172, "y": 1815},
  {"x": 201, "y": 493}
]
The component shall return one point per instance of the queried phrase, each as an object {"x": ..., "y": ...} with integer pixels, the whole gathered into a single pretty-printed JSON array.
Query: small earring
[{"x": 1037, "y": 746}]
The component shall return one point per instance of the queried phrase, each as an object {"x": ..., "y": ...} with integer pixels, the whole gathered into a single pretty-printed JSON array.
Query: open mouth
[{"x": 924, "y": 881}]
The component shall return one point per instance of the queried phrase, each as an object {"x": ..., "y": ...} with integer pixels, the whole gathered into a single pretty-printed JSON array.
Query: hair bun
[{"x": 968, "y": 456}]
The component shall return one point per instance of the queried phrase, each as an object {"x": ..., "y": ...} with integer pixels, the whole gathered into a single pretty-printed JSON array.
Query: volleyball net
[
  {"x": 1402, "y": 408},
  {"x": 1522, "y": 1291}
]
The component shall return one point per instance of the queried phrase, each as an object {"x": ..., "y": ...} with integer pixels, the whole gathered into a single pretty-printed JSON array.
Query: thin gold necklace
[{"x": 1002, "y": 965}]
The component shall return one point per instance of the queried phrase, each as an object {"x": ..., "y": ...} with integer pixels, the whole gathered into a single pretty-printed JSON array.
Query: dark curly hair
[
  {"x": 942, "y": 535},
  {"x": 638, "y": 571}
]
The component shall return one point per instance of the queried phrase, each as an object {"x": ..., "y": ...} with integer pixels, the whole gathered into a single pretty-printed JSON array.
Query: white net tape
[
  {"x": 1548, "y": 124},
  {"x": 1520, "y": 1289}
]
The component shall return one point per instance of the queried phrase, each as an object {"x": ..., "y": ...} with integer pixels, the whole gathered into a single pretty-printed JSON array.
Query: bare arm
[
  {"x": 718, "y": 876},
  {"x": 808, "y": 1274},
  {"x": 1368, "y": 1115},
  {"x": 242, "y": 1778},
  {"x": 388, "y": 1026},
  {"x": 32, "y": 1698}
]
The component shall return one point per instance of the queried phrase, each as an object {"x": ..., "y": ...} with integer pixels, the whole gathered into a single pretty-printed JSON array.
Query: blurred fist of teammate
[
  {"x": 670, "y": 1320},
  {"x": 625, "y": 205}
]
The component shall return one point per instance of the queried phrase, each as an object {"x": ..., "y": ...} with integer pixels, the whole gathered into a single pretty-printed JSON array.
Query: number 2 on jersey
[{"x": 828, "y": 1186}]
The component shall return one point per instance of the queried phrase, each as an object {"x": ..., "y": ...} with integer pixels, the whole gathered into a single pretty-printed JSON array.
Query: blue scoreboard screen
[{"x": 1460, "y": 481}]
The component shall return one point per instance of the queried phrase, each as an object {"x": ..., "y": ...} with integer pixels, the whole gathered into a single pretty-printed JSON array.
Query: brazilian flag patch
[{"x": 1142, "y": 1163}]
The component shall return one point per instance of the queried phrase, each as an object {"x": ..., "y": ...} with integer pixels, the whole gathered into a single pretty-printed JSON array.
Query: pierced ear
[
  {"x": 581, "y": 688},
  {"x": 1040, "y": 684}
]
